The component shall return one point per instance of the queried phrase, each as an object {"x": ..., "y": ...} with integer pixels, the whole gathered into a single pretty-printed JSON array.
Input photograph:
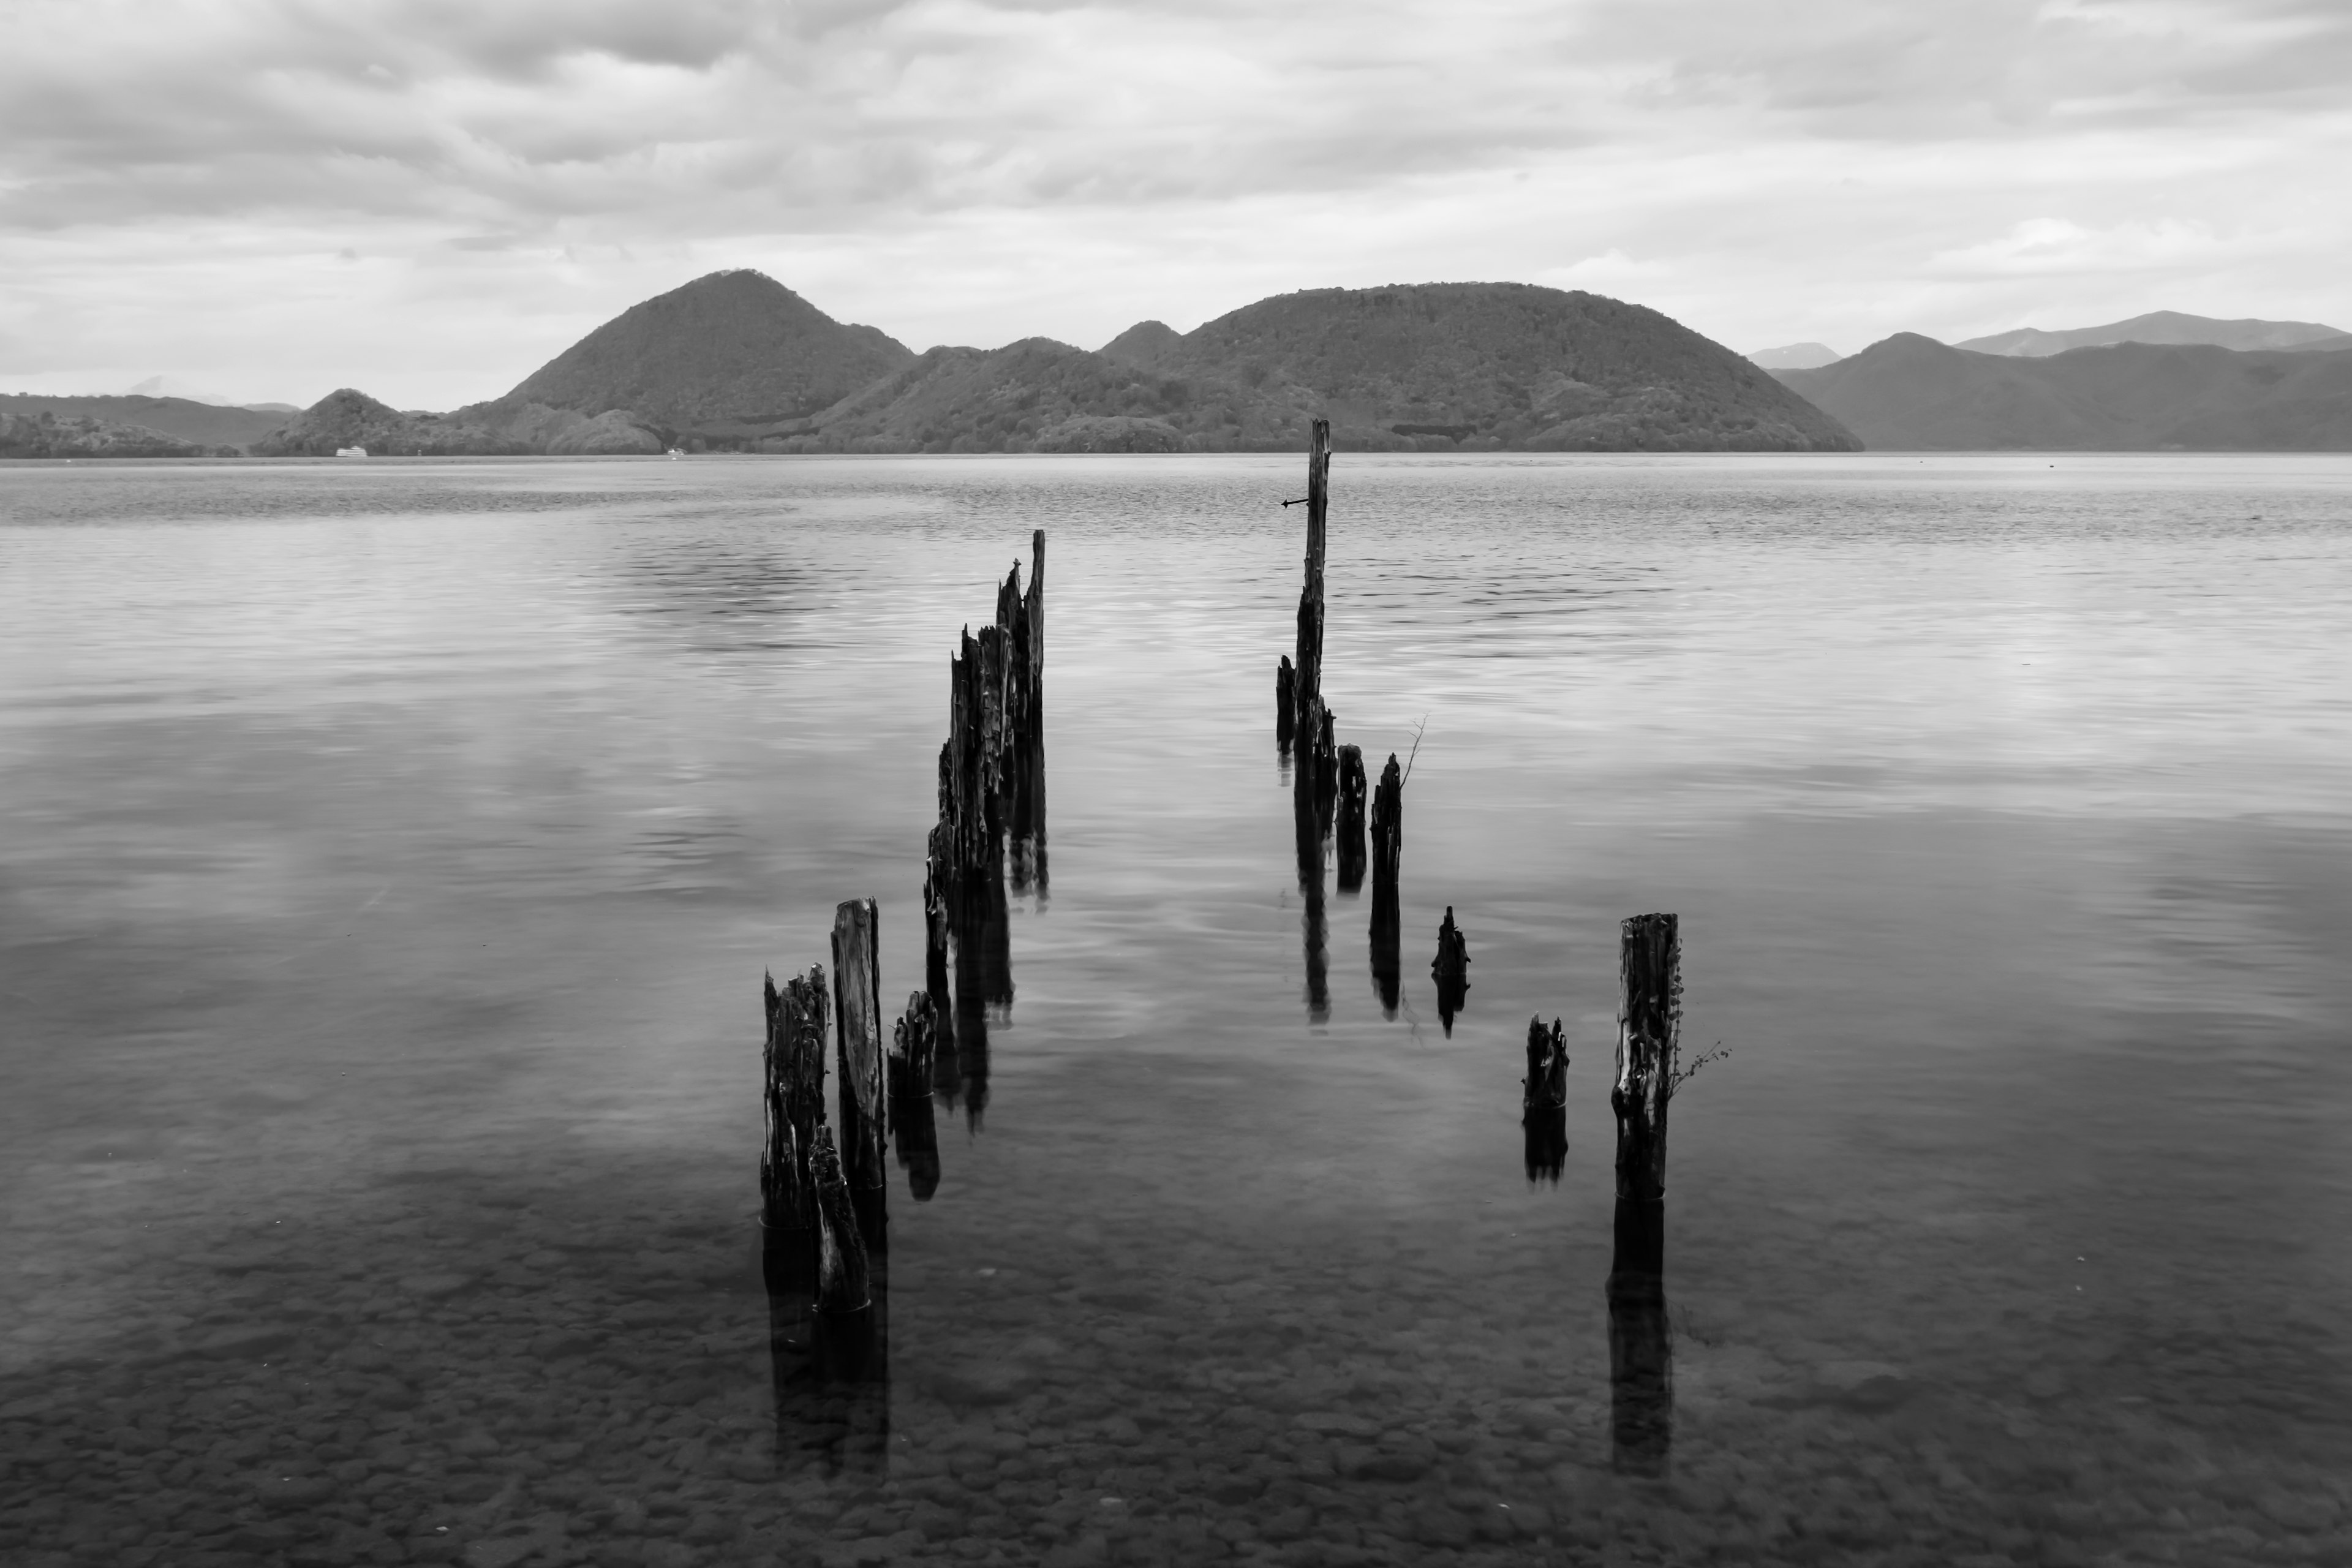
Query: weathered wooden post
[
  {"x": 1035, "y": 828},
  {"x": 1307, "y": 657},
  {"x": 794, "y": 1064},
  {"x": 914, "y": 1047},
  {"x": 1543, "y": 1109},
  {"x": 1387, "y": 849},
  {"x": 1451, "y": 970},
  {"x": 1286, "y": 703},
  {"x": 1313, "y": 923},
  {"x": 1350, "y": 818},
  {"x": 1326, "y": 765},
  {"x": 1649, "y": 1045},
  {"x": 842, "y": 1283},
  {"x": 857, "y": 1008}
]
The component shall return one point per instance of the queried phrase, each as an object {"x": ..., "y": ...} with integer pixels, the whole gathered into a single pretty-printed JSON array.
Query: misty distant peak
[
  {"x": 172, "y": 386},
  {"x": 1796, "y": 356},
  {"x": 2246, "y": 334}
]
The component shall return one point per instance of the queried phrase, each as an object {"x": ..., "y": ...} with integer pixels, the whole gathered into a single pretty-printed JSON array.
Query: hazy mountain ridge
[
  {"x": 179, "y": 418},
  {"x": 347, "y": 417},
  {"x": 1912, "y": 393},
  {"x": 1444, "y": 367},
  {"x": 46, "y": 433},
  {"x": 2246, "y": 334},
  {"x": 735, "y": 361}
]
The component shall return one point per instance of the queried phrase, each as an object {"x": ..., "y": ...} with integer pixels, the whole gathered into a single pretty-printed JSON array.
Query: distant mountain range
[
  {"x": 2163, "y": 327},
  {"x": 32, "y": 425},
  {"x": 172, "y": 386},
  {"x": 736, "y": 360},
  {"x": 1911, "y": 393},
  {"x": 1795, "y": 356}
]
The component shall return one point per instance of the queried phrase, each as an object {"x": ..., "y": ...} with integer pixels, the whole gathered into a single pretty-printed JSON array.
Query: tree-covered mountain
[
  {"x": 350, "y": 419},
  {"x": 1911, "y": 393},
  {"x": 46, "y": 433},
  {"x": 1438, "y": 367},
  {"x": 182, "y": 418},
  {"x": 727, "y": 352}
]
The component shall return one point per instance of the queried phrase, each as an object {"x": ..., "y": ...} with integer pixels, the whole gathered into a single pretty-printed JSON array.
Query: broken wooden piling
[
  {"x": 1386, "y": 826},
  {"x": 1543, "y": 1106},
  {"x": 1286, "y": 703},
  {"x": 1649, "y": 1046},
  {"x": 842, "y": 1282},
  {"x": 793, "y": 1067},
  {"x": 857, "y": 1037},
  {"x": 1451, "y": 970},
  {"x": 1348, "y": 818},
  {"x": 914, "y": 1048},
  {"x": 1649, "y": 1041},
  {"x": 1307, "y": 658}
]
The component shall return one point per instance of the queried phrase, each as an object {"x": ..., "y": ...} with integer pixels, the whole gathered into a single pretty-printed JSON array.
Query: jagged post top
[{"x": 1649, "y": 1006}]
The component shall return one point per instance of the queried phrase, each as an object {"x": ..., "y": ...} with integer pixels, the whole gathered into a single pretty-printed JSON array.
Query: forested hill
[
  {"x": 737, "y": 362},
  {"x": 1432, "y": 367}
]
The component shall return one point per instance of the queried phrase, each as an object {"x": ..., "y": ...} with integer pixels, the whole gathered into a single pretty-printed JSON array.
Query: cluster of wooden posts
[
  {"x": 1328, "y": 795},
  {"x": 823, "y": 1190}
]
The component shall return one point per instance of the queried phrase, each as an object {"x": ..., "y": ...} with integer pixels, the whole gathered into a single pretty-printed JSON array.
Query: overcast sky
[{"x": 428, "y": 198}]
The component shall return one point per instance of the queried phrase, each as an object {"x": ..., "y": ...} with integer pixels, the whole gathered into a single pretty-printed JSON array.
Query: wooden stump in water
[
  {"x": 1543, "y": 1106},
  {"x": 857, "y": 1003},
  {"x": 793, "y": 1102},
  {"x": 914, "y": 1047},
  {"x": 1649, "y": 1042},
  {"x": 1286, "y": 703},
  {"x": 842, "y": 1283},
  {"x": 1307, "y": 655},
  {"x": 1387, "y": 851},
  {"x": 1350, "y": 818},
  {"x": 1451, "y": 970}
]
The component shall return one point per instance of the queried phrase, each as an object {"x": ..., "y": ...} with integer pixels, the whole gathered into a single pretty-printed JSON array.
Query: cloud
[{"x": 190, "y": 174}]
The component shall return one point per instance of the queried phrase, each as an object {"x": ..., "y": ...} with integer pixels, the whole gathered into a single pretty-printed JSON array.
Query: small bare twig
[
  {"x": 1415, "y": 753},
  {"x": 1682, "y": 1075}
]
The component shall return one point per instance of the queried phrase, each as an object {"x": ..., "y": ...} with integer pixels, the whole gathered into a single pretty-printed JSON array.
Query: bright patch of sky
[{"x": 430, "y": 198}]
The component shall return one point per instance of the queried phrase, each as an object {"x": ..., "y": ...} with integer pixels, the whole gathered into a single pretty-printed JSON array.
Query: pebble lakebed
[{"x": 501, "y": 1374}]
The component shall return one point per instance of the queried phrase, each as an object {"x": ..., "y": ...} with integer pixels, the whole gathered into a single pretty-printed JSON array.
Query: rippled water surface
[{"x": 390, "y": 855}]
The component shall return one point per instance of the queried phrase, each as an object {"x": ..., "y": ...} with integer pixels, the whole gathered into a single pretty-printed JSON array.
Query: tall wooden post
[
  {"x": 1388, "y": 849},
  {"x": 1649, "y": 1043},
  {"x": 858, "y": 1006},
  {"x": 1308, "y": 659}
]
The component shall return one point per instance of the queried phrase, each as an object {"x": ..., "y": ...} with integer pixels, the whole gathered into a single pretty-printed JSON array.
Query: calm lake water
[{"x": 390, "y": 855}]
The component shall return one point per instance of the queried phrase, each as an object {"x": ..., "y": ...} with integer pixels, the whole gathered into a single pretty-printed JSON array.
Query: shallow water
[{"x": 389, "y": 855}]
